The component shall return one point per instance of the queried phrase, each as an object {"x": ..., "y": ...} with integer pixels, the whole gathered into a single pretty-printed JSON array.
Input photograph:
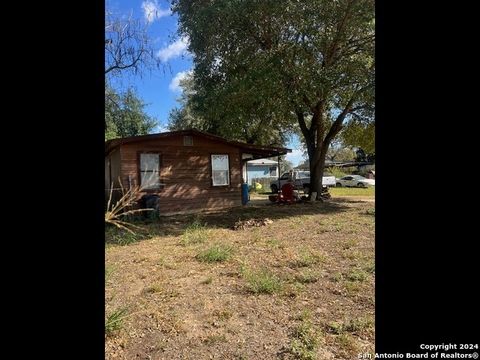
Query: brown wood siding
[
  {"x": 186, "y": 173},
  {"x": 115, "y": 167}
]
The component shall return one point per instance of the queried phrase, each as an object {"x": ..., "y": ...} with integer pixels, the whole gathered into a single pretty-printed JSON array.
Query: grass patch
[
  {"x": 352, "y": 287},
  {"x": 306, "y": 258},
  {"x": 223, "y": 314},
  {"x": 344, "y": 191},
  {"x": 370, "y": 211},
  {"x": 307, "y": 277},
  {"x": 352, "y": 326},
  {"x": 293, "y": 290},
  {"x": 114, "y": 321},
  {"x": 262, "y": 282},
  {"x": 109, "y": 270},
  {"x": 351, "y": 254},
  {"x": 217, "y": 253},
  {"x": 274, "y": 243},
  {"x": 116, "y": 236},
  {"x": 195, "y": 233},
  {"x": 305, "y": 339},
  {"x": 347, "y": 343},
  {"x": 370, "y": 267},
  {"x": 337, "y": 277},
  {"x": 357, "y": 275}
]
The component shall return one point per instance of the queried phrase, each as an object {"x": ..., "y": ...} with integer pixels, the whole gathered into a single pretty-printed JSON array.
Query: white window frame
[{"x": 227, "y": 170}]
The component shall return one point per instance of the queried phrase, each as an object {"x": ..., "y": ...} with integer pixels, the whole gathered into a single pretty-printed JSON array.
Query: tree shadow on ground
[{"x": 258, "y": 209}]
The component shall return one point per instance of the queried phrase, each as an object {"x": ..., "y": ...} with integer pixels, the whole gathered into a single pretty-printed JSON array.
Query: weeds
[
  {"x": 124, "y": 207},
  {"x": 262, "y": 282},
  {"x": 352, "y": 326},
  {"x": 195, "y": 233},
  {"x": 217, "y": 253},
  {"x": 114, "y": 321},
  {"x": 274, "y": 243},
  {"x": 122, "y": 238},
  {"x": 307, "y": 277},
  {"x": 306, "y": 339},
  {"x": 357, "y": 275},
  {"x": 307, "y": 258},
  {"x": 109, "y": 270}
]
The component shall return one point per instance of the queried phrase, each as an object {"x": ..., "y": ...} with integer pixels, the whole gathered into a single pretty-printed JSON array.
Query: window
[
  {"x": 273, "y": 171},
  {"x": 220, "y": 170},
  {"x": 150, "y": 171},
  {"x": 187, "y": 141}
]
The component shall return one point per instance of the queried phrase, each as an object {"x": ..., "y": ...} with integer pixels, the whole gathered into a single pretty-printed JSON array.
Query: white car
[{"x": 355, "y": 181}]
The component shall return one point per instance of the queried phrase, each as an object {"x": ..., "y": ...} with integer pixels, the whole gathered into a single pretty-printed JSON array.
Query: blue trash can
[{"x": 245, "y": 196}]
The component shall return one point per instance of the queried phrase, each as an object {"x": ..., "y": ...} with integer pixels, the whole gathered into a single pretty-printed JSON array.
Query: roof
[
  {"x": 262, "y": 162},
  {"x": 257, "y": 151}
]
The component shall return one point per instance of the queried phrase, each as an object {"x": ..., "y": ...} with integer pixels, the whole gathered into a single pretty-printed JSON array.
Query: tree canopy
[
  {"x": 263, "y": 69},
  {"x": 125, "y": 115}
]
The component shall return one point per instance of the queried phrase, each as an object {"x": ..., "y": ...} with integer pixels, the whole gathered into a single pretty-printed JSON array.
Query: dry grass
[
  {"x": 118, "y": 210},
  {"x": 299, "y": 288}
]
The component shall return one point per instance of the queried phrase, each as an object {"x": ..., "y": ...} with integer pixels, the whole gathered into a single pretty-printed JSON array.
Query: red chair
[{"x": 286, "y": 194}]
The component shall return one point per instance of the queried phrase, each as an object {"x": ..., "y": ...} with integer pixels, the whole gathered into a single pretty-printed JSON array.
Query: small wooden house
[{"x": 189, "y": 170}]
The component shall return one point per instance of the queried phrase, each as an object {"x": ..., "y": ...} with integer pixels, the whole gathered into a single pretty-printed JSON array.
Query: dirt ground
[{"x": 300, "y": 287}]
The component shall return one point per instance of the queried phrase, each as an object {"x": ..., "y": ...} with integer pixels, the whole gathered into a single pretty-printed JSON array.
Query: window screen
[
  {"x": 150, "y": 171},
  {"x": 220, "y": 170}
]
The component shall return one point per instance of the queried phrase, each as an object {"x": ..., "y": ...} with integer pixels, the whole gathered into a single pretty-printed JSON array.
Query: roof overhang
[{"x": 256, "y": 151}]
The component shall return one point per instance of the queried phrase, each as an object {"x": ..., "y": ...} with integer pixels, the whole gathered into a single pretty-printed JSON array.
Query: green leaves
[
  {"x": 262, "y": 67},
  {"x": 125, "y": 115}
]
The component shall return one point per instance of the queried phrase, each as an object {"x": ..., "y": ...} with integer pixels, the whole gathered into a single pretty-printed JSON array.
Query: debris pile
[{"x": 245, "y": 224}]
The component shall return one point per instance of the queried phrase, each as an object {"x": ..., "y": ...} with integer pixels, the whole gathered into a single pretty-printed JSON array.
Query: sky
[{"x": 160, "y": 88}]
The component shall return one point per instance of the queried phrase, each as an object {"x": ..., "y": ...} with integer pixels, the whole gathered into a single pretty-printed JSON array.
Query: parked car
[
  {"x": 355, "y": 181},
  {"x": 302, "y": 180}
]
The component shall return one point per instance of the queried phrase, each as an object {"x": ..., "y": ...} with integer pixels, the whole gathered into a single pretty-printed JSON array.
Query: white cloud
[
  {"x": 178, "y": 48},
  {"x": 175, "y": 83},
  {"x": 295, "y": 157},
  {"x": 152, "y": 11}
]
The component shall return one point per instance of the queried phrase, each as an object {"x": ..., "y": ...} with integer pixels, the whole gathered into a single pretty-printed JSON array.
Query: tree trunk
[{"x": 317, "y": 166}]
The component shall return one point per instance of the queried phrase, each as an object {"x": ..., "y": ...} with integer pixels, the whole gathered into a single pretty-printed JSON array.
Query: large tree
[
  {"x": 125, "y": 115},
  {"x": 247, "y": 121},
  {"x": 128, "y": 51},
  {"x": 284, "y": 63},
  {"x": 360, "y": 135}
]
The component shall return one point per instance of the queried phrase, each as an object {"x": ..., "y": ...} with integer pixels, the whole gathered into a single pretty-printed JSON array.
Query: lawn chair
[{"x": 286, "y": 194}]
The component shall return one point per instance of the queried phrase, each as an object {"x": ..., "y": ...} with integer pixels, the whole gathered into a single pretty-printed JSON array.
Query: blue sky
[{"x": 159, "y": 89}]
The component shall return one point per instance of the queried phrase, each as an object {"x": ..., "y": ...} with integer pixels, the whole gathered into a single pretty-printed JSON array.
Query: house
[
  {"x": 188, "y": 170},
  {"x": 261, "y": 168}
]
